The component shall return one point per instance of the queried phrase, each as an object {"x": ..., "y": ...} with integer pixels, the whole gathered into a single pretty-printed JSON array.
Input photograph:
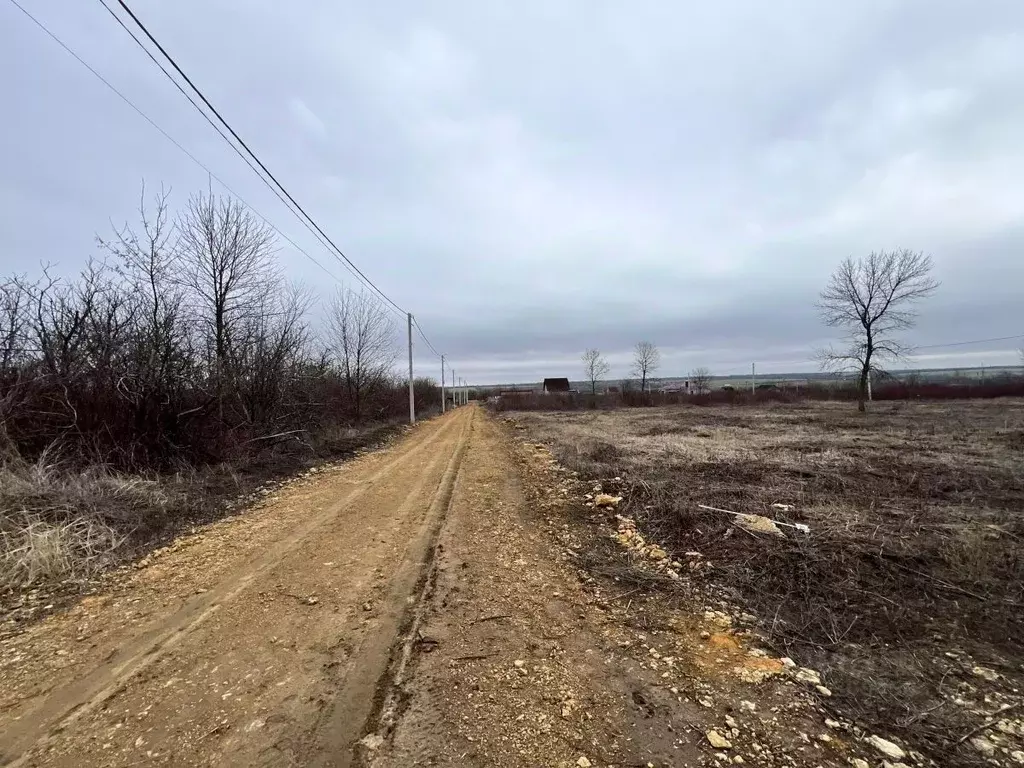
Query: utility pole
[
  {"x": 454, "y": 401},
  {"x": 753, "y": 378},
  {"x": 442, "y": 385},
  {"x": 412, "y": 394}
]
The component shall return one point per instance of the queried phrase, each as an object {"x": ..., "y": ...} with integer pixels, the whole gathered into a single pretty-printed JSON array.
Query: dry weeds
[{"x": 908, "y": 592}]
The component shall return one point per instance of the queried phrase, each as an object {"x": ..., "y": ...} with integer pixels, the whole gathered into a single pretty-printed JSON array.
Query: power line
[
  {"x": 170, "y": 138},
  {"x": 319, "y": 237},
  {"x": 424, "y": 337},
  {"x": 252, "y": 154},
  {"x": 966, "y": 343}
]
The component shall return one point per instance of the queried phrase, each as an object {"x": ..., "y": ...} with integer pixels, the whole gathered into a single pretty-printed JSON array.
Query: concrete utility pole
[
  {"x": 753, "y": 378},
  {"x": 454, "y": 402},
  {"x": 442, "y": 385},
  {"x": 412, "y": 394}
]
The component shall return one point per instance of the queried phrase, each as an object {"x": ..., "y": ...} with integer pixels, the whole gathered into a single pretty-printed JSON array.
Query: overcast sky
[{"x": 538, "y": 177}]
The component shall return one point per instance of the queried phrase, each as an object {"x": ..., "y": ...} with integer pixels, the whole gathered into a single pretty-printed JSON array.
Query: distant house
[{"x": 556, "y": 385}]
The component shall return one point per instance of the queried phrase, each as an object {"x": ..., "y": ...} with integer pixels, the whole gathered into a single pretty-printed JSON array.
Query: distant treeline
[{"x": 1001, "y": 386}]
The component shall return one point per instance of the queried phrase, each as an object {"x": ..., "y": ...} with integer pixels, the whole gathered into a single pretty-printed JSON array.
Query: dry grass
[
  {"x": 59, "y": 525},
  {"x": 36, "y": 551},
  {"x": 913, "y": 573}
]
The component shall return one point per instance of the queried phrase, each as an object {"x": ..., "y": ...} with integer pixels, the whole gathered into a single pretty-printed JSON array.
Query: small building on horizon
[{"x": 555, "y": 385}]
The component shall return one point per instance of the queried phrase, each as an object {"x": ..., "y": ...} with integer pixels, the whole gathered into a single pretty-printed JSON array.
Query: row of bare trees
[
  {"x": 185, "y": 342},
  {"x": 871, "y": 299},
  {"x": 646, "y": 362}
]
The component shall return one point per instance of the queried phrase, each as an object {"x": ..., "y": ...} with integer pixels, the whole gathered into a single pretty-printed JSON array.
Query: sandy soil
[
  {"x": 427, "y": 604},
  {"x": 259, "y": 640}
]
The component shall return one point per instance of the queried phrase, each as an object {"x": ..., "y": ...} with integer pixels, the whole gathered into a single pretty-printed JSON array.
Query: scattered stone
[
  {"x": 805, "y": 675},
  {"x": 985, "y": 673},
  {"x": 886, "y": 747},
  {"x": 583, "y": 763},
  {"x": 1018, "y": 756},
  {"x": 372, "y": 741},
  {"x": 856, "y": 762},
  {"x": 748, "y": 706},
  {"x": 823, "y": 690},
  {"x": 717, "y": 740},
  {"x": 731, "y": 721},
  {"x": 759, "y": 524},
  {"x": 606, "y": 500},
  {"x": 983, "y": 745}
]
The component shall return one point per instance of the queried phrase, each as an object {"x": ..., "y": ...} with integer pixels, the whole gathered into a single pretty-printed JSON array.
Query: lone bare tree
[
  {"x": 363, "y": 340},
  {"x": 595, "y": 368},
  {"x": 646, "y": 360},
  {"x": 700, "y": 380},
  {"x": 872, "y": 299}
]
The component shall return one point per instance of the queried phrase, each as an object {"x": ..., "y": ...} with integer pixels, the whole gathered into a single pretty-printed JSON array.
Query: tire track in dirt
[
  {"x": 376, "y": 669},
  {"x": 52, "y": 720}
]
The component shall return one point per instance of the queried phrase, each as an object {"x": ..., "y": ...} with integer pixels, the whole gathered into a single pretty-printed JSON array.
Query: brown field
[{"x": 908, "y": 592}]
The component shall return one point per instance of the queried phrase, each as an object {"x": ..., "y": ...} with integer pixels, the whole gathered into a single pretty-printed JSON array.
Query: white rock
[
  {"x": 886, "y": 747},
  {"x": 856, "y": 762},
  {"x": 983, "y": 745},
  {"x": 985, "y": 673},
  {"x": 583, "y": 763},
  {"x": 805, "y": 675},
  {"x": 717, "y": 740},
  {"x": 372, "y": 741}
]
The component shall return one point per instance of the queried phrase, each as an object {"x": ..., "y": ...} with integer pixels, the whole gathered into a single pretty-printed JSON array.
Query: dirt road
[
  {"x": 260, "y": 640},
  {"x": 426, "y": 604}
]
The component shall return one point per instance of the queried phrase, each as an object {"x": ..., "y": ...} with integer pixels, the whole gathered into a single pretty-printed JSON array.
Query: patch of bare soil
[
  {"x": 257, "y": 640},
  {"x": 541, "y": 643},
  {"x": 907, "y": 592}
]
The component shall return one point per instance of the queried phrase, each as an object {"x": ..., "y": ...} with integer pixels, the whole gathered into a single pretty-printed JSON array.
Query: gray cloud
[{"x": 534, "y": 179}]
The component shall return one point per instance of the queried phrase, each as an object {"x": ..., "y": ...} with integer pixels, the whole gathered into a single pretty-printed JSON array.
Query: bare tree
[
  {"x": 159, "y": 366},
  {"x": 228, "y": 265},
  {"x": 872, "y": 299},
  {"x": 595, "y": 368},
  {"x": 15, "y": 295},
  {"x": 646, "y": 360},
  {"x": 363, "y": 339},
  {"x": 700, "y": 380}
]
